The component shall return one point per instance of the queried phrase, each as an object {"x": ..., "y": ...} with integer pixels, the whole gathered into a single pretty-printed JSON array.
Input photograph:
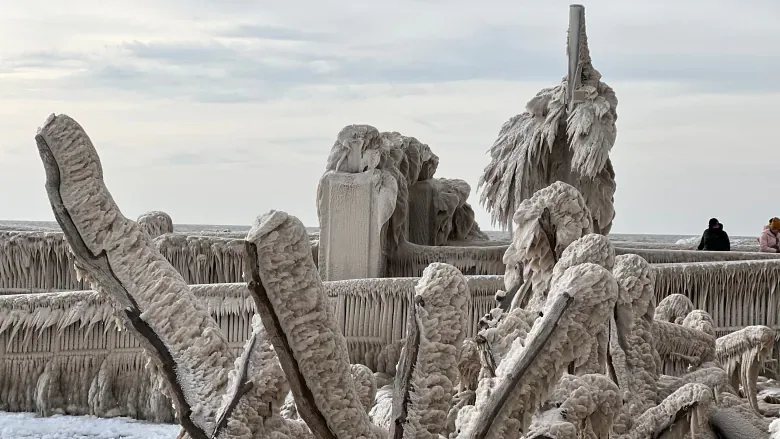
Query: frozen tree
[{"x": 566, "y": 134}]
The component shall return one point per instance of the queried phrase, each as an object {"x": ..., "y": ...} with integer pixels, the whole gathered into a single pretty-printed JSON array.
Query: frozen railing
[
  {"x": 69, "y": 341},
  {"x": 34, "y": 262}
]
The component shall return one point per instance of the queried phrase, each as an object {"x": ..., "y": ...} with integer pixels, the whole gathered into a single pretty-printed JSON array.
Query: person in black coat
[{"x": 715, "y": 238}]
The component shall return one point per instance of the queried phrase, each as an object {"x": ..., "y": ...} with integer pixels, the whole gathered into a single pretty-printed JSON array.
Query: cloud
[
  {"x": 278, "y": 59},
  {"x": 265, "y": 32},
  {"x": 234, "y": 104}
]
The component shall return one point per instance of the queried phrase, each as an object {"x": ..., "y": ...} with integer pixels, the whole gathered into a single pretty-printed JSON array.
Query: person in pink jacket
[{"x": 769, "y": 241}]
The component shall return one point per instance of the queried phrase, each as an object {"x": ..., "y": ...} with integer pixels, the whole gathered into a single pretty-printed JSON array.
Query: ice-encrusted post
[
  {"x": 355, "y": 200},
  {"x": 353, "y": 215},
  {"x": 295, "y": 312}
]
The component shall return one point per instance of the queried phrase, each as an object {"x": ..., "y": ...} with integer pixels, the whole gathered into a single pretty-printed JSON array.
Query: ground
[{"x": 30, "y": 426}]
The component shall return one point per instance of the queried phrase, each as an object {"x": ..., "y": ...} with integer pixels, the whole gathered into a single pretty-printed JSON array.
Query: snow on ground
[
  {"x": 30, "y": 426},
  {"x": 774, "y": 429}
]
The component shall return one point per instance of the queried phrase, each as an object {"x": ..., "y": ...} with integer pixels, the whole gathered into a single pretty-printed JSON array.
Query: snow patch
[{"x": 29, "y": 426}]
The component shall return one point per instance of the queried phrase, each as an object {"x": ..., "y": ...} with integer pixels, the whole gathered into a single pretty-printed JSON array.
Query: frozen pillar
[
  {"x": 353, "y": 210},
  {"x": 422, "y": 213}
]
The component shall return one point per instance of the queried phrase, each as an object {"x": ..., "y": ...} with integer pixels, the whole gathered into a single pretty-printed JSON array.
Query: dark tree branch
[
  {"x": 403, "y": 379},
  {"x": 99, "y": 268},
  {"x": 242, "y": 388},
  {"x": 304, "y": 400},
  {"x": 499, "y": 398},
  {"x": 486, "y": 354},
  {"x": 506, "y": 302},
  {"x": 549, "y": 229}
]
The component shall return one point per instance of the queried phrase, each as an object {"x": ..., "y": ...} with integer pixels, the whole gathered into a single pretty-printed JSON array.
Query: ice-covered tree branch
[
  {"x": 119, "y": 258},
  {"x": 304, "y": 399},
  {"x": 295, "y": 311},
  {"x": 427, "y": 375}
]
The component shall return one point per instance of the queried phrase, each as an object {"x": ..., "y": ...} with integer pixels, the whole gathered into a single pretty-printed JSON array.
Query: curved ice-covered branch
[
  {"x": 673, "y": 308},
  {"x": 152, "y": 298},
  {"x": 426, "y": 377},
  {"x": 677, "y": 343},
  {"x": 713, "y": 377},
  {"x": 569, "y": 219},
  {"x": 632, "y": 352},
  {"x": 742, "y": 354},
  {"x": 294, "y": 309},
  {"x": 684, "y": 410}
]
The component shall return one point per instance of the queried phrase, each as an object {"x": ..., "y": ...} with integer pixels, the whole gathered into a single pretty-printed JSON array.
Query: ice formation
[
  {"x": 540, "y": 238},
  {"x": 118, "y": 257},
  {"x": 36, "y": 262},
  {"x": 405, "y": 209},
  {"x": 624, "y": 352},
  {"x": 77, "y": 333},
  {"x": 565, "y": 134},
  {"x": 742, "y": 354},
  {"x": 427, "y": 370},
  {"x": 155, "y": 223},
  {"x": 579, "y": 304}
]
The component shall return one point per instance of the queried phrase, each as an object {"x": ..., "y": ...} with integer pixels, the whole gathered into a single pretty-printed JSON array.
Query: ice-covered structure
[
  {"x": 381, "y": 208},
  {"x": 563, "y": 334}
]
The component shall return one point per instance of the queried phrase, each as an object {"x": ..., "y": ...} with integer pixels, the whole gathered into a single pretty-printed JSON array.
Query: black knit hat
[{"x": 714, "y": 221}]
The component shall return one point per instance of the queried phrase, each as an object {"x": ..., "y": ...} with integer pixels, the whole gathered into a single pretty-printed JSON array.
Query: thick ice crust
[
  {"x": 557, "y": 140},
  {"x": 298, "y": 298},
  {"x": 143, "y": 280}
]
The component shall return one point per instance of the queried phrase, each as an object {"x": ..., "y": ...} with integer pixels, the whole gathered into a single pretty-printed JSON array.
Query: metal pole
[{"x": 576, "y": 20}]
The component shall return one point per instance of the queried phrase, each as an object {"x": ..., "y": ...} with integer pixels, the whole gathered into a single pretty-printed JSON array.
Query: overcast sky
[{"x": 218, "y": 110}]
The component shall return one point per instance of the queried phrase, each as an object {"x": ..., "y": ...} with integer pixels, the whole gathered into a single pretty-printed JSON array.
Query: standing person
[
  {"x": 769, "y": 242},
  {"x": 715, "y": 238}
]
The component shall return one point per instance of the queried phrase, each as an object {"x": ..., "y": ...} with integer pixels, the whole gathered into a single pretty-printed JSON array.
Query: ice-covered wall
[{"x": 63, "y": 352}]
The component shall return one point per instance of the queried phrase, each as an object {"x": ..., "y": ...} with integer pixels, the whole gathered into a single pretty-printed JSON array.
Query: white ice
[
  {"x": 774, "y": 429},
  {"x": 30, "y": 426}
]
